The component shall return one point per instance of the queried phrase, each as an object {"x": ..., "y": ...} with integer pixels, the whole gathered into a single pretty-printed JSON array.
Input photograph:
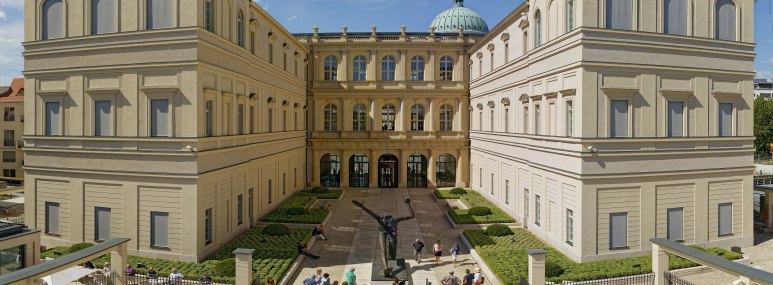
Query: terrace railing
[
  {"x": 642, "y": 279},
  {"x": 672, "y": 279}
]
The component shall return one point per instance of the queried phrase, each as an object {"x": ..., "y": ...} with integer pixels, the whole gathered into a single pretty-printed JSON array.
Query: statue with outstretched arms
[{"x": 388, "y": 227}]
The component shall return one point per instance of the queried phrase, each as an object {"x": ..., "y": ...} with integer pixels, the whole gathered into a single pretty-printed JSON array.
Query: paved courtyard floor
[
  {"x": 352, "y": 237},
  {"x": 761, "y": 256}
]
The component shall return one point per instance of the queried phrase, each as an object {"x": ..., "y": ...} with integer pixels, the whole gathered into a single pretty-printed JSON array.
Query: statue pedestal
[{"x": 399, "y": 270}]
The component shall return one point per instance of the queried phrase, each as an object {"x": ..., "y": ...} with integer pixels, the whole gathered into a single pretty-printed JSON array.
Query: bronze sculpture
[{"x": 388, "y": 226}]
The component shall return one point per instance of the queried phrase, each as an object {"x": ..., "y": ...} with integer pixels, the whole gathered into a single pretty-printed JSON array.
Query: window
[
  {"x": 417, "y": 117},
  {"x": 675, "y": 17},
  {"x": 525, "y": 119},
  {"x": 240, "y": 28},
  {"x": 209, "y": 16},
  {"x": 446, "y": 118},
  {"x": 284, "y": 61},
  {"x": 507, "y": 192},
  {"x": 295, "y": 177},
  {"x": 507, "y": 52},
  {"x": 284, "y": 183},
  {"x": 9, "y": 172},
  {"x": 103, "y": 16},
  {"x": 491, "y": 67},
  {"x": 725, "y": 226},
  {"x": 208, "y": 109},
  {"x": 331, "y": 68},
  {"x": 207, "y": 226},
  {"x": 551, "y": 119},
  {"x": 725, "y": 119},
  {"x": 159, "y": 229},
  {"x": 507, "y": 120},
  {"x": 53, "y": 20},
  {"x": 240, "y": 119},
  {"x": 9, "y": 138},
  {"x": 53, "y": 119},
  {"x": 446, "y": 68},
  {"x": 284, "y": 120},
  {"x": 537, "y": 210},
  {"x": 296, "y": 120},
  {"x": 480, "y": 177},
  {"x": 359, "y": 70},
  {"x": 388, "y": 68},
  {"x": 675, "y": 119},
  {"x": 228, "y": 118},
  {"x": 417, "y": 68},
  {"x": 271, "y": 52},
  {"x": 270, "y": 192},
  {"x": 159, "y": 14},
  {"x": 569, "y": 15},
  {"x": 675, "y": 224},
  {"x": 491, "y": 122},
  {"x": 270, "y": 119},
  {"x": 618, "y": 119},
  {"x": 491, "y": 185},
  {"x": 618, "y": 230},
  {"x": 480, "y": 120},
  {"x": 537, "y": 115},
  {"x": 725, "y": 21},
  {"x": 480, "y": 67},
  {"x": 569, "y": 227},
  {"x": 388, "y": 118},
  {"x": 569, "y": 118},
  {"x": 159, "y": 118},
  {"x": 331, "y": 118},
  {"x": 537, "y": 29},
  {"x": 9, "y": 156},
  {"x": 101, "y": 224},
  {"x": 253, "y": 39},
  {"x": 525, "y": 42},
  {"x": 239, "y": 209},
  {"x": 52, "y": 218},
  {"x": 359, "y": 118},
  {"x": 103, "y": 124},
  {"x": 10, "y": 114},
  {"x": 619, "y": 14},
  {"x": 252, "y": 119}
]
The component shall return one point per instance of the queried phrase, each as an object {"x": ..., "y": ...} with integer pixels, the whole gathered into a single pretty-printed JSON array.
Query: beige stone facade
[
  {"x": 177, "y": 127},
  {"x": 600, "y": 131}
]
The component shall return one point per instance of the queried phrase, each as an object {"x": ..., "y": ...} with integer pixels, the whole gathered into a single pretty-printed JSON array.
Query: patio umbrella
[{"x": 68, "y": 275}]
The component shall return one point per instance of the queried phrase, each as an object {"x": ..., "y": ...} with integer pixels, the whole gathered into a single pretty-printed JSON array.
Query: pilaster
[
  {"x": 431, "y": 114},
  {"x": 343, "y": 67},
  {"x": 373, "y": 171},
  {"x": 401, "y": 66},
  {"x": 371, "y": 76},
  {"x": 402, "y": 174},
  {"x": 315, "y": 170},
  {"x": 345, "y": 169},
  {"x": 429, "y": 72},
  {"x": 432, "y": 169}
]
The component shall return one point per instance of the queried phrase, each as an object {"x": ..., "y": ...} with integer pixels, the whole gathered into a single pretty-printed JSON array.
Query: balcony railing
[
  {"x": 397, "y": 85},
  {"x": 387, "y": 135}
]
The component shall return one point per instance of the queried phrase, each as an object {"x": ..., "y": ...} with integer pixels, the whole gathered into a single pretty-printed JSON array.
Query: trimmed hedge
[
  {"x": 295, "y": 210},
  {"x": 479, "y": 211},
  {"x": 507, "y": 257},
  {"x": 320, "y": 190},
  {"x": 552, "y": 269},
  {"x": 79, "y": 246},
  {"x": 473, "y": 199},
  {"x": 225, "y": 267},
  {"x": 276, "y": 230},
  {"x": 498, "y": 230},
  {"x": 458, "y": 191}
]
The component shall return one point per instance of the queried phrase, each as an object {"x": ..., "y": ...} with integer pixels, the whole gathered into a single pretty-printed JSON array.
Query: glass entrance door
[
  {"x": 417, "y": 171},
  {"x": 359, "y": 171},
  {"x": 387, "y": 171}
]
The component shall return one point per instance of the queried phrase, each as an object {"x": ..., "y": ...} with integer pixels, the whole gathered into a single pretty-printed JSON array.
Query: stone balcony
[{"x": 388, "y": 85}]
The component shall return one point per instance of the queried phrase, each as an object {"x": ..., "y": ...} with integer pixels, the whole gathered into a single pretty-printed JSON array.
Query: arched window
[
  {"x": 446, "y": 118},
  {"x": 103, "y": 16},
  {"x": 388, "y": 68},
  {"x": 331, "y": 118},
  {"x": 675, "y": 17},
  {"x": 209, "y": 16},
  {"x": 569, "y": 15},
  {"x": 619, "y": 14},
  {"x": 446, "y": 170},
  {"x": 417, "y": 68},
  {"x": 240, "y": 29},
  {"x": 552, "y": 21},
  {"x": 359, "y": 70},
  {"x": 359, "y": 118},
  {"x": 446, "y": 68},
  {"x": 725, "y": 20},
  {"x": 330, "y": 170},
  {"x": 53, "y": 20},
  {"x": 388, "y": 117},
  {"x": 331, "y": 68},
  {"x": 159, "y": 14},
  {"x": 417, "y": 117},
  {"x": 537, "y": 29}
]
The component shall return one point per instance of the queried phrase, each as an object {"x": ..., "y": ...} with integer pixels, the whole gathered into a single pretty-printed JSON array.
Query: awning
[{"x": 68, "y": 275}]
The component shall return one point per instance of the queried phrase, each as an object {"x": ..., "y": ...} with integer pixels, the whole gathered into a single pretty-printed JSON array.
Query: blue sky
[{"x": 299, "y": 16}]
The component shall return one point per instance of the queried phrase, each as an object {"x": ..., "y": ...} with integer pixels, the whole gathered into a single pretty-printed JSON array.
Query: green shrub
[
  {"x": 320, "y": 190},
  {"x": 498, "y": 230},
  {"x": 458, "y": 191},
  {"x": 479, "y": 211},
  {"x": 276, "y": 230},
  {"x": 225, "y": 267},
  {"x": 552, "y": 269},
  {"x": 294, "y": 211},
  {"x": 79, "y": 246}
]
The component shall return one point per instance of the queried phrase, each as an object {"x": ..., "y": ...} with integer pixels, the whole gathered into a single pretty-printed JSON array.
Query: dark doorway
[
  {"x": 359, "y": 171},
  {"x": 387, "y": 171},
  {"x": 417, "y": 171},
  {"x": 330, "y": 170}
]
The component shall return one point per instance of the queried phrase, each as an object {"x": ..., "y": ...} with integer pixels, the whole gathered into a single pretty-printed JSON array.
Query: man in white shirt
[{"x": 175, "y": 277}]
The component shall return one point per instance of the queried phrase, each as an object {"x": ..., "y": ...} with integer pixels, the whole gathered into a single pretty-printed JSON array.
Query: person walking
[
  {"x": 478, "y": 279},
  {"x": 418, "y": 246},
  {"x": 318, "y": 277},
  {"x": 351, "y": 279},
  {"x": 450, "y": 279},
  {"x": 469, "y": 278},
  {"x": 455, "y": 252},
  {"x": 175, "y": 277},
  {"x": 438, "y": 248}
]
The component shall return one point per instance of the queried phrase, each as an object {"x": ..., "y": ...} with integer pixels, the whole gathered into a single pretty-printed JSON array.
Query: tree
[{"x": 763, "y": 125}]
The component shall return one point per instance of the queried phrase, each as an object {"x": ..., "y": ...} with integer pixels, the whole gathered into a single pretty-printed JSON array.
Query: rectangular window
[
  {"x": 252, "y": 119},
  {"x": 9, "y": 172},
  {"x": 284, "y": 120},
  {"x": 270, "y": 120},
  {"x": 725, "y": 119},
  {"x": 295, "y": 177},
  {"x": 9, "y": 138},
  {"x": 207, "y": 226},
  {"x": 507, "y": 192},
  {"x": 552, "y": 119},
  {"x": 10, "y": 114},
  {"x": 239, "y": 209},
  {"x": 101, "y": 224},
  {"x": 675, "y": 119},
  {"x": 569, "y": 227},
  {"x": 492, "y": 184},
  {"x": 103, "y": 124},
  {"x": 240, "y": 119},
  {"x": 228, "y": 118},
  {"x": 725, "y": 226},
  {"x": 52, "y": 218},
  {"x": 480, "y": 120},
  {"x": 250, "y": 199},
  {"x": 53, "y": 119},
  {"x": 209, "y": 107},
  {"x": 619, "y": 14},
  {"x": 675, "y": 224},
  {"x": 525, "y": 120},
  {"x": 9, "y": 156},
  {"x": 271, "y": 53},
  {"x": 491, "y": 124},
  {"x": 159, "y": 118},
  {"x": 507, "y": 120},
  {"x": 284, "y": 61},
  {"x": 159, "y": 229},
  {"x": 569, "y": 118},
  {"x": 270, "y": 192},
  {"x": 537, "y": 210},
  {"x": 507, "y": 52},
  {"x": 295, "y": 121},
  {"x": 159, "y": 14},
  {"x": 480, "y": 175},
  {"x": 284, "y": 183},
  {"x": 618, "y": 119},
  {"x": 537, "y": 115},
  {"x": 618, "y": 230}
]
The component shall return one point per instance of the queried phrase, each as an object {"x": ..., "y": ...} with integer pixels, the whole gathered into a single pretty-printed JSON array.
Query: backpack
[
  {"x": 453, "y": 281},
  {"x": 309, "y": 281}
]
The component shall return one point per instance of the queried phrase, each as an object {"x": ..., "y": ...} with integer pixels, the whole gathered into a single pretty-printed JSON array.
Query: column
[
  {"x": 118, "y": 259},
  {"x": 345, "y": 169},
  {"x": 373, "y": 171},
  {"x": 315, "y": 169},
  {"x": 659, "y": 264},
  {"x": 243, "y": 265},
  {"x": 400, "y": 117},
  {"x": 432, "y": 169},
  {"x": 402, "y": 174},
  {"x": 537, "y": 266},
  {"x": 371, "y": 76},
  {"x": 401, "y": 67}
]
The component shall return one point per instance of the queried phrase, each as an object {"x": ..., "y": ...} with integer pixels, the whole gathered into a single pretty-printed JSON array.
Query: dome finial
[{"x": 458, "y": 3}]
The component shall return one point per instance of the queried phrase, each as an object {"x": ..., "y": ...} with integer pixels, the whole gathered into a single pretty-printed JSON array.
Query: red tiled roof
[{"x": 12, "y": 94}]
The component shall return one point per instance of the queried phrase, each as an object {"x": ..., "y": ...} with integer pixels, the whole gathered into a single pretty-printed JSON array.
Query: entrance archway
[
  {"x": 330, "y": 170},
  {"x": 387, "y": 171},
  {"x": 446, "y": 170},
  {"x": 359, "y": 171},
  {"x": 417, "y": 171}
]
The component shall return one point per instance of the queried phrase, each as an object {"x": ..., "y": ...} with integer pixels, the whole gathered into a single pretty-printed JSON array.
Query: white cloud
[
  {"x": 11, "y": 36},
  {"x": 770, "y": 60},
  {"x": 2, "y": 14},
  {"x": 14, "y": 4},
  {"x": 766, "y": 74},
  {"x": 291, "y": 19}
]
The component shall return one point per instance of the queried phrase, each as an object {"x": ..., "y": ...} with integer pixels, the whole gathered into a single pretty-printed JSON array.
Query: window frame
[
  {"x": 569, "y": 227},
  {"x": 668, "y": 224},
  {"x": 388, "y": 68},
  {"x": 389, "y": 112},
  {"x": 209, "y": 16},
  {"x": 169, "y": 118},
  {"x": 446, "y": 68},
  {"x": 612, "y": 245},
  {"x": 112, "y": 117},
  {"x": 208, "y": 237},
  {"x": 359, "y": 68},
  {"x": 97, "y": 236},
  {"x": 154, "y": 231},
  {"x": 240, "y": 38},
  {"x": 607, "y": 24},
  {"x": 359, "y": 118},
  {"x": 417, "y": 68},
  {"x": 668, "y": 120},
  {"x": 446, "y": 120},
  {"x": 418, "y": 117},
  {"x": 330, "y": 68},
  {"x": 733, "y": 119},
  {"x": 49, "y": 228},
  {"x": 47, "y": 130},
  {"x": 629, "y": 117},
  {"x": 736, "y": 23},
  {"x": 330, "y": 119},
  {"x": 720, "y": 233},
  {"x": 44, "y": 21},
  {"x": 537, "y": 210}
]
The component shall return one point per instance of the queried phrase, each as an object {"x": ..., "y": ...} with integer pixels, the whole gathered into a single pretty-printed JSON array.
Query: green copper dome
[{"x": 457, "y": 16}]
